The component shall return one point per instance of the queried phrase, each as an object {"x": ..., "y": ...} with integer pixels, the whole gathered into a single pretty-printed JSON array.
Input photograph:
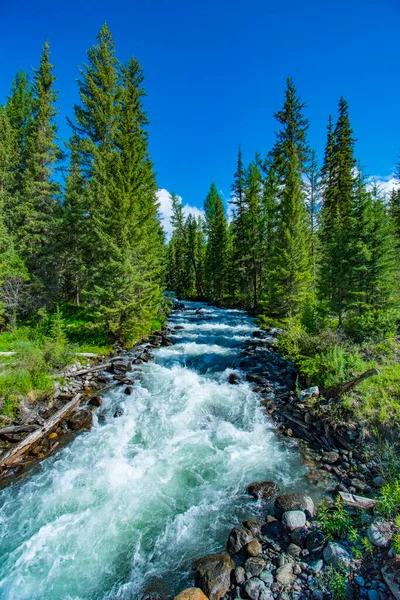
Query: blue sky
[{"x": 216, "y": 69}]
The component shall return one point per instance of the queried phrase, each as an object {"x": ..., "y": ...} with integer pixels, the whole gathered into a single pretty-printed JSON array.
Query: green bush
[
  {"x": 334, "y": 520},
  {"x": 337, "y": 584}
]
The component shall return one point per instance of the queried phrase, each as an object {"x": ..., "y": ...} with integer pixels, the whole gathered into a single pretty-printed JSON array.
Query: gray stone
[
  {"x": 293, "y": 519},
  {"x": 287, "y": 502},
  {"x": 255, "y": 589},
  {"x": 360, "y": 581},
  {"x": 315, "y": 567},
  {"x": 380, "y": 533},
  {"x": 293, "y": 550},
  {"x": 284, "y": 575},
  {"x": 299, "y": 536},
  {"x": 253, "y": 566},
  {"x": 318, "y": 595},
  {"x": 213, "y": 574},
  {"x": 336, "y": 556},
  {"x": 330, "y": 458},
  {"x": 316, "y": 541},
  {"x": 373, "y": 595},
  {"x": 266, "y": 577},
  {"x": 378, "y": 482},
  {"x": 239, "y": 575},
  {"x": 238, "y": 538}
]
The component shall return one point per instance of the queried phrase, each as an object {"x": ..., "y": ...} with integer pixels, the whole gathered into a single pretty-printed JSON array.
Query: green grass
[{"x": 377, "y": 399}]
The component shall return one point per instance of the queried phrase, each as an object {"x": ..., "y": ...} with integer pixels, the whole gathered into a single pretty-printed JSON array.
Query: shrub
[{"x": 334, "y": 520}]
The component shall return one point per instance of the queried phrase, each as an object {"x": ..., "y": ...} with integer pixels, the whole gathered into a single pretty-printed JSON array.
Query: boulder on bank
[
  {"x": 238, "y": 538},
  {"x": 213, "y": 574},
  {"x": 287, "y": 502},
  {"x": 380, "y": 533},
  {"x": 255, "y": 589},
  {"x": 191, "y": 594},
  {"x": 80, "y": 419},
  {"x": 293, "y": 519},
  {"x": 337, "y": 556},
  {"x": 120, "y": 365},
  {"x": 263, "y": 490}
]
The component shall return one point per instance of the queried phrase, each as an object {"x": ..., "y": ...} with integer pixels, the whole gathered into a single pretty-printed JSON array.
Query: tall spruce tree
[
  {"x": 373, "y": 294},
  {"x": 38, "y": 208},
  {"x": 13, "y": 274},
  {"x": 254, "y": 227},
  {"x": 110, "y": 143},
  {"x": 237, "y": 201},
  {"x": 339, "y": 184},
  {"x": 19, "y": 109},
  {"x": 289, "y": 275},
  {"x": 216, "y": 248}
]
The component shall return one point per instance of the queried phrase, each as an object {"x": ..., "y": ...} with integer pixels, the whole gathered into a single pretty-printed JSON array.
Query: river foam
[{"x": 126, "y": 507}]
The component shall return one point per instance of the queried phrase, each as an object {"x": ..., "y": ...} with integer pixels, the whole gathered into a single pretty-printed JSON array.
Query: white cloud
[
  {"x": 165, "y": 209},
  {"x": 386, "y": 184}
]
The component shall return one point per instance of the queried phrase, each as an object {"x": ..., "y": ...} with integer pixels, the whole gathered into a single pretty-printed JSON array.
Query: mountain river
[{"x": 121, "y": 511}]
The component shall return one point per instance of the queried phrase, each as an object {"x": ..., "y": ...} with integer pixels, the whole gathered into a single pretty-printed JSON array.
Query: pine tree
[
  {"x": 176, "y": 246},
  {"x": 394, "y": 204},
  {"x": 238, "y": 271},
  {"x": 337, "y": 206},
  {"x": 216, "y": 248},
  {"x": 74, "y": 233},
  {"x": 254, "y": 235},
  {"x": 19, "y": 111},
  {"x": 289, "y": 276},
  {"x": 39, "y": 205},
  {"x": 313, "y": 198},
  {"x": 110, "y": 143},
  {"x": 373, "y": 295},
  {"x": 13, "y": 275}
]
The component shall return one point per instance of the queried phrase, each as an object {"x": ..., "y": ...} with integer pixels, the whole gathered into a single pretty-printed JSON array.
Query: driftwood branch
[
  {"x": 14, "y": 456},
  {"x": 357, "y": 501},
  {"x": 338, "y": 390},
  {"x": 92, "y": 369},
  {"x": 17, "y": 429}
]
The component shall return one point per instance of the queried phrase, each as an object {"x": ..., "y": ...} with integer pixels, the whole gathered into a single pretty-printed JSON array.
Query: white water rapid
[{"x": 123, "y": 510}]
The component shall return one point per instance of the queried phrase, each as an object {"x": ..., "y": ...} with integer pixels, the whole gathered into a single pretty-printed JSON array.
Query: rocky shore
[
  {"x": 53, "y": 423},
  {"x": 289, "y": 556}
]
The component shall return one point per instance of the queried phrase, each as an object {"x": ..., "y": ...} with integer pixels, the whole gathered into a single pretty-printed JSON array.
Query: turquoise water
[{"x": 123, "y": 510}]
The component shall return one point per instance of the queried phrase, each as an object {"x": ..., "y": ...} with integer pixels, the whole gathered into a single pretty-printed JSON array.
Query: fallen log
[
  {"x": 357, "y": 501},
  {"x": 336, "y": 391},
  {"x": 91, "y": 370},
  {"x": 14, "y": 456},
  {"x": 17, "y": 429}
]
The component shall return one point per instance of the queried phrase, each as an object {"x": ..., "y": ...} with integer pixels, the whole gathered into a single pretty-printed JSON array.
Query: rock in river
[
  {"x": 287, "y": 502},
  {"x": 80, "y": 419},
  {"x": 264, "y": 490},
  {"x": 238, "y": 538},
  {"x": 213, "y": 574}
]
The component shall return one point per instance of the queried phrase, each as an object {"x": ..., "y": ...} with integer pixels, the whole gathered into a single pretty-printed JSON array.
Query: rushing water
[{"x": 125, "y": 508}]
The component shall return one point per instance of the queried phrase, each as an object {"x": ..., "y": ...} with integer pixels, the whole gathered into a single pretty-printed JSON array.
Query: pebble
[{"x": 360, "y": 581}]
